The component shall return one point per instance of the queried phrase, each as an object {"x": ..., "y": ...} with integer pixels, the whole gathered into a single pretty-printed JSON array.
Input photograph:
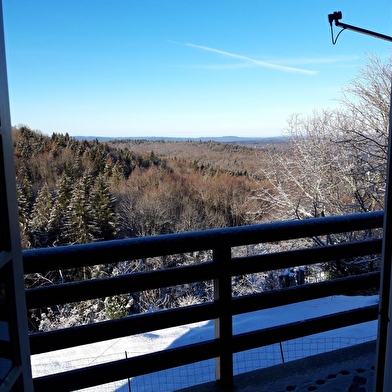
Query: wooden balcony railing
[{"x": 220, "y": 270}]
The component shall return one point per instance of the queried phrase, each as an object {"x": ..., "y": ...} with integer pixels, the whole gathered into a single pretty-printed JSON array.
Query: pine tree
[
  {"x": 117, "y": 174},
  {"x": 56, "y": 225},
  {"x": 23, "y": 209},
  {"x": 81, "y": 226},
  {"x": 56, "y": 230},
  {"x": 26, "y": 187},
  {"x": 117, "y": 306},
  {"x": 40, "y": 216},
  {"x": 64, "y": 191},
  {"x": 103, "y": 210},
  {"x": 24, "y": 143}
]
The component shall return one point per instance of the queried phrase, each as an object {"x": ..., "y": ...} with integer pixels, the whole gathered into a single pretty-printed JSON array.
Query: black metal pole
[{"x": 363, "y": 31}]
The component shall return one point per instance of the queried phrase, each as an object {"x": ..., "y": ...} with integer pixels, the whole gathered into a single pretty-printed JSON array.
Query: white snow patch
[{"x": 169, "y": 380}]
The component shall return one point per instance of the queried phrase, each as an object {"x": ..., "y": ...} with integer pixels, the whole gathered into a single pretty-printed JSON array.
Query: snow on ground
[{"x": 201, "y": 372}]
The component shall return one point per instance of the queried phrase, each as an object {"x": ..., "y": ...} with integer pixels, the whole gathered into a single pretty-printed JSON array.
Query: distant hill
[{"x": 220, "y": 139}]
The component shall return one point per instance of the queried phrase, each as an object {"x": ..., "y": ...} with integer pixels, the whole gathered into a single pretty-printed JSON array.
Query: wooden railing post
[{"x": 223, "y": 325}]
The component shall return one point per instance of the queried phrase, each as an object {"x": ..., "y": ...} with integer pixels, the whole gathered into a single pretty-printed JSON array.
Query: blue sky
[{"x": 179, "y": 67}]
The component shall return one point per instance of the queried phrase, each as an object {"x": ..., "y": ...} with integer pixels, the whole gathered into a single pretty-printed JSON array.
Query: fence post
[{"x": 223, "y": 325}]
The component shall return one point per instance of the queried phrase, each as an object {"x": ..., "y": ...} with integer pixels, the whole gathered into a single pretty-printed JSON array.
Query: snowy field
[{"x": 181, "y": 377}]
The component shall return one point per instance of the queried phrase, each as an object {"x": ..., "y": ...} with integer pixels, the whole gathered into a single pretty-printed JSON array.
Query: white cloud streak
[
  {"x": 253, "y": 61},
  {"x": 319, "y": 60}
]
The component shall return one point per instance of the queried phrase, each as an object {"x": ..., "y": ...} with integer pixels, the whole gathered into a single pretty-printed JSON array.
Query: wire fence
[{"x": 202, "y": 372}]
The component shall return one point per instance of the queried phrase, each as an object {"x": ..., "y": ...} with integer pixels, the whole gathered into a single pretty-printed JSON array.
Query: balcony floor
[{"x": 349, "y": 369}]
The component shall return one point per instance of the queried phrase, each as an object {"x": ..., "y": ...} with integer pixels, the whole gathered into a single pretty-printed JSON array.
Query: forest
[{"x": 73, "y": 191}]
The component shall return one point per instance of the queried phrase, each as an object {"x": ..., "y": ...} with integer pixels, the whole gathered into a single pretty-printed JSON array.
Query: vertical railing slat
[{"x": 223, "y": 325}]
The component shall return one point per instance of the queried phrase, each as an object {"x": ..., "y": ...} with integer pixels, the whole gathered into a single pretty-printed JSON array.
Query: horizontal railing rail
[
  {"x": 92, "y": 333},
  {"x": 65, "y": 257},
  {"x": 220, "y": 270}
]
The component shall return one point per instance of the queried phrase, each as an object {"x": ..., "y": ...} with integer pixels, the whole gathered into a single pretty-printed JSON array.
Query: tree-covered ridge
[
  {"x": 72, "y": 191},
  {"x": 210, "y": 156},
  {"x": 42, "y": 158}
]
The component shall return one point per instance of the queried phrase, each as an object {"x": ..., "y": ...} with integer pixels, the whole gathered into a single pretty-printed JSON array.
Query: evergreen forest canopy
[
  {"x": 77, "y": 191},
  {"x": 73, "y": 191}
]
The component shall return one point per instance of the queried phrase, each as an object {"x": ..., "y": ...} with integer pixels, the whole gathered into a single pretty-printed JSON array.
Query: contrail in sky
[{"x": 253, "y": 61}]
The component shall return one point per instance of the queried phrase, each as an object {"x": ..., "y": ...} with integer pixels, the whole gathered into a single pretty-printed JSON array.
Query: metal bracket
[{"x": 337, "y": 15}]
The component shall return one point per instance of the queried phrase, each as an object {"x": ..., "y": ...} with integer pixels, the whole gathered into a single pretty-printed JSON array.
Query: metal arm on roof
[{"x": 337, "y": 15}]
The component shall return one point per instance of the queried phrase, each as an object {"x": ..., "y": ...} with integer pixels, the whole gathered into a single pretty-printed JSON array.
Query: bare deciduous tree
[{"x": 335, "y": 162}]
